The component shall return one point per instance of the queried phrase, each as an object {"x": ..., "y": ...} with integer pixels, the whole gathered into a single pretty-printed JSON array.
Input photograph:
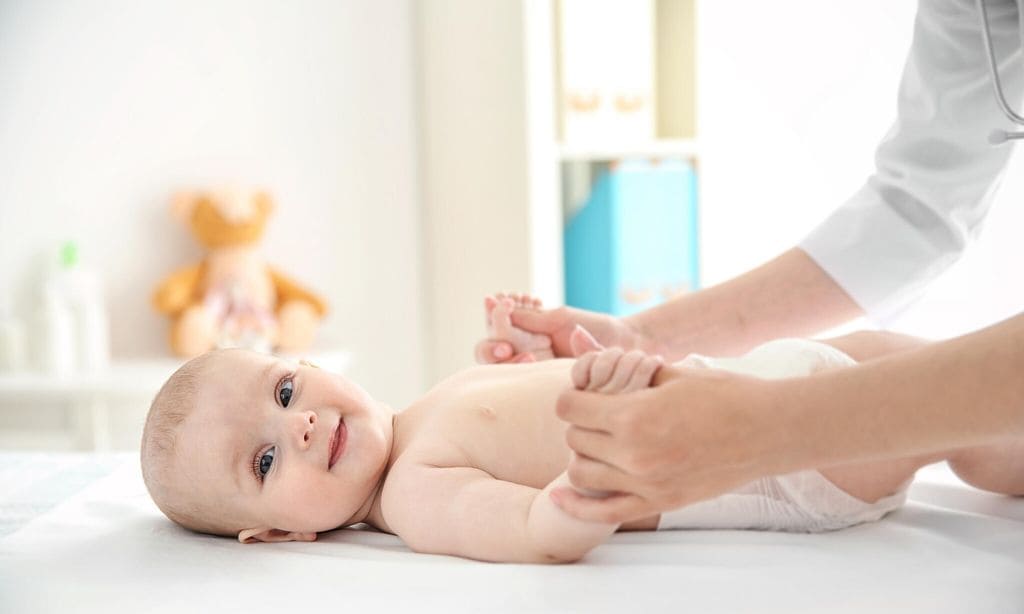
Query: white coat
[{"x": 935, "y": 172}]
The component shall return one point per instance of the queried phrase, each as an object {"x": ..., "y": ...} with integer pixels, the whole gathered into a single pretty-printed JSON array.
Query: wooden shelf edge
[{"x": 660, "y": 148}]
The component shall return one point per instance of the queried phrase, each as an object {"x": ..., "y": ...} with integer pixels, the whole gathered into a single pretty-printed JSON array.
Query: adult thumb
[
  {"x": 581, "y": 341},
  {"x": 543, "y": 322}
]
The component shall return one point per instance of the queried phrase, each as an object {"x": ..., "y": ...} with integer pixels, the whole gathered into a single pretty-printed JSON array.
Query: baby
[{"x": 259, "y": 448}]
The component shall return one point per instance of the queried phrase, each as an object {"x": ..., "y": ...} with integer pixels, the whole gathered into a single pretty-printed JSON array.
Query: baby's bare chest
[{"x": 499, "y": 420}]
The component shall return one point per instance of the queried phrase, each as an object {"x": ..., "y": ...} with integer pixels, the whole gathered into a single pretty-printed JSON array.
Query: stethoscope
[{"x": 998, "y": 137}]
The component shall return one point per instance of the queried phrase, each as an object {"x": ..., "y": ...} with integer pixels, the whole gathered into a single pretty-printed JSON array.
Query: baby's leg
[
  {"x": 871, "y": 480},
  {"x": 996, "y": 467},
  {"x": 868, "y": 344}
]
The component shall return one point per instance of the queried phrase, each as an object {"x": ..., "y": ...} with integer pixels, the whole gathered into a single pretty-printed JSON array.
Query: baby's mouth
[{"x": 336, "y": 446}]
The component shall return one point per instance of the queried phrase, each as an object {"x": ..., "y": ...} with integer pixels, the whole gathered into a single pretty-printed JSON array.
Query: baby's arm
[{"x": 467, "y": 512}]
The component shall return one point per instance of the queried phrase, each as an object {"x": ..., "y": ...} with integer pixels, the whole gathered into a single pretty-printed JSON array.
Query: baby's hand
[
  {"x": 615, "y": 371},
  {"x": 527, "y": 346}
]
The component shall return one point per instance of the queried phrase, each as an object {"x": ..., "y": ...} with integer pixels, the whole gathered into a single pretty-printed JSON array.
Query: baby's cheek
[{"x": 308, "y": 506}]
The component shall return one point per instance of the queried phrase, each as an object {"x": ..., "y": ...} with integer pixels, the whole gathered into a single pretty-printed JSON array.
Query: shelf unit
[
  {"x": 492, "y": 154},
  {"x": 93, "y": 400},
  {"x": 659, "y": 148}
]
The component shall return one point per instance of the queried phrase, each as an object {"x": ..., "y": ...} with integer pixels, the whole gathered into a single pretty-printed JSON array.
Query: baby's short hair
[{"x": 171, "y": 406}]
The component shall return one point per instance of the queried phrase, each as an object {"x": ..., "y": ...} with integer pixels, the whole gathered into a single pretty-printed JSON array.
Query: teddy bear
[{"x": 233, "y": 298}]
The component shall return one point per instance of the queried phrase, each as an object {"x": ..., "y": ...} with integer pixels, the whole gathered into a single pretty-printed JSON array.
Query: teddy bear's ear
[
  {"x": 182, "y": 205},
  {"x": 264, "y": 202}
]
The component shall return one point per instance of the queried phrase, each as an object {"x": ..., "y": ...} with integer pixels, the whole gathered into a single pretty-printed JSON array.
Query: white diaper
[
  {"x": 805, "y": 501},
  {"x": 801, "y": 502}
]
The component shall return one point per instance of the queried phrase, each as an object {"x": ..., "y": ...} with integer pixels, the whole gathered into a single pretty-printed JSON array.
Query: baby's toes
[
  {"x": 490, "y": 302},
  {"x": 501, "y": 320},
  {"x": 526, "y": 301}
]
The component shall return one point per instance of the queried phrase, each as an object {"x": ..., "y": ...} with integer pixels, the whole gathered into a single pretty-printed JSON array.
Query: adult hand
[
  {"x": 559, "y": 324},
  {"x": 696, "y": 434}
]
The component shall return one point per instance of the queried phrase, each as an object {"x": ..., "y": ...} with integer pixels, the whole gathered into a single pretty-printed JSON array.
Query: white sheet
[{"x": 951, "y": 549}]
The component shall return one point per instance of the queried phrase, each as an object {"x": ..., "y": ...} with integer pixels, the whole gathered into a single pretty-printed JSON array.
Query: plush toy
[{"x": 233, "y": 298}]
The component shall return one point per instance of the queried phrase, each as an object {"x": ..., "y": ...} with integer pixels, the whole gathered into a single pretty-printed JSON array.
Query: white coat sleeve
[{"x": 935, "y": 171}]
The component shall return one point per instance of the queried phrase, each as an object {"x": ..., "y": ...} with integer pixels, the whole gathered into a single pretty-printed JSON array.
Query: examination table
[{"x": 78, "y": 533}]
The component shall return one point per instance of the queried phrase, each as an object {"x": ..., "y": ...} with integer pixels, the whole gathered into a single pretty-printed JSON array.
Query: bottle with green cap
[
  {"x": 75, "y": 289},
  {"x": 56, "y": 334}
]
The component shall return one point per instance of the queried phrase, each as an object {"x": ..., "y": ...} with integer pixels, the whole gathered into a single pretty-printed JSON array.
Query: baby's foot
[
  {"x": 526, "y": 345},
  {"x": 615, "y": 371}
]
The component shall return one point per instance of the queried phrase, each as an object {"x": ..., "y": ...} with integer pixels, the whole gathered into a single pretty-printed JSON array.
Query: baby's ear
[{"x": 264, "y": 534}]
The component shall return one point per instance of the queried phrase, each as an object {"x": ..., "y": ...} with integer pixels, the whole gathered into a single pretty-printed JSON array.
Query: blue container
[{"x": 634, "y": 243}]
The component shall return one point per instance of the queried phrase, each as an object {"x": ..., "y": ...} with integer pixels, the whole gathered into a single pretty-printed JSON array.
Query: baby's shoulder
[{"x": 418, "y": 492}]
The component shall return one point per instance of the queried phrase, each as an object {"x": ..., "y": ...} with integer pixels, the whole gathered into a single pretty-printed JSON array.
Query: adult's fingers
[
  {"x": 590, "y": 443},
  {"x": 489, "y": 351},
  {"x": 590, "y": 410},
  {"x": 544, "y": 322},
  {"x": 593, "y": 474},
  {"x": 617, "y": 508}
]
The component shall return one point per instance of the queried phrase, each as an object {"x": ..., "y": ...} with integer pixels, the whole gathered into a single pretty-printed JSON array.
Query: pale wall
[{"x": 106, "y": 107}]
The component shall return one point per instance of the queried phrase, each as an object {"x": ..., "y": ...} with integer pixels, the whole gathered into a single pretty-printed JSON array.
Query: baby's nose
[{"x": 303, "y": 425}]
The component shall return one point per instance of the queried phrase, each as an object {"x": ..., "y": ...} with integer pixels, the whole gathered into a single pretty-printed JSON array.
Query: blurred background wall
[
  {"x": 413, "y": 150},
  {"x": 107, "y": 108}
]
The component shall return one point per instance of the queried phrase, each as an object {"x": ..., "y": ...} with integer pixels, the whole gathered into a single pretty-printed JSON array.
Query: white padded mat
[{"x": 107, "y": 549}]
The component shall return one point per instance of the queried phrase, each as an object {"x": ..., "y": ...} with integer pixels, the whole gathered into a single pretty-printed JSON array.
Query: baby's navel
[{"x": 487, "y": 412}]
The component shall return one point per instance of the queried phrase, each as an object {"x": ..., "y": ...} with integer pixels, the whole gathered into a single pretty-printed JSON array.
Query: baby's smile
[{"x": 336, "y": 445}]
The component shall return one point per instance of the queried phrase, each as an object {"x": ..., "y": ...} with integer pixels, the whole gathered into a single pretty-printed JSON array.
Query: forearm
[
  {"x": 952, "y": 394},
  {"x": 558, "y": 535},
  {"x": 787, "y": 297}
]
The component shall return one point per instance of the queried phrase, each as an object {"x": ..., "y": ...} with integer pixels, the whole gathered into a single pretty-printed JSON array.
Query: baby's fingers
[
  {"x": 643, "y": 375},
  {"x": 603, "y": 368},
  {"x": 624, "y": 370},
  {"x": 581, "y": 370}
]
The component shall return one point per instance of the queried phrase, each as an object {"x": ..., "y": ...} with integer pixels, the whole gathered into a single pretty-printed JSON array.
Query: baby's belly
[{"x": 503, "y": 419}]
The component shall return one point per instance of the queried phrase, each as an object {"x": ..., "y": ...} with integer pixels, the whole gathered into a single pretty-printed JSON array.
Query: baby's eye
[
  {"x": 263, "y": 462},
  {"x": 284, "y": 392}
]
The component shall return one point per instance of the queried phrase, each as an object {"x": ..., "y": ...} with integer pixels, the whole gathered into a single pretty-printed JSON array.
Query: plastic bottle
[
  {"x": 73, "y": 293},
  {"x": 12, "y": 338},
  {"x": 56, "y": 332}
]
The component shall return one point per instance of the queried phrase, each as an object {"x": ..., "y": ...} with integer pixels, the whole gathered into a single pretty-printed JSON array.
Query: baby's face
[{"x": 283, "y": 446}]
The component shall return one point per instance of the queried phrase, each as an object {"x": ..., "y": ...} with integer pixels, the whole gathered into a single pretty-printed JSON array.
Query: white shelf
[
  {"x": 125, "y": 379},
  {"x": 91, "y": 398},
  {"x": 659, "y": 148},
  {"x": 120, "y": 379}
]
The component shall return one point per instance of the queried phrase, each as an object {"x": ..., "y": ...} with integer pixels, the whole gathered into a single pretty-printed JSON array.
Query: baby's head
[{"x": 238, "y": 443}]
